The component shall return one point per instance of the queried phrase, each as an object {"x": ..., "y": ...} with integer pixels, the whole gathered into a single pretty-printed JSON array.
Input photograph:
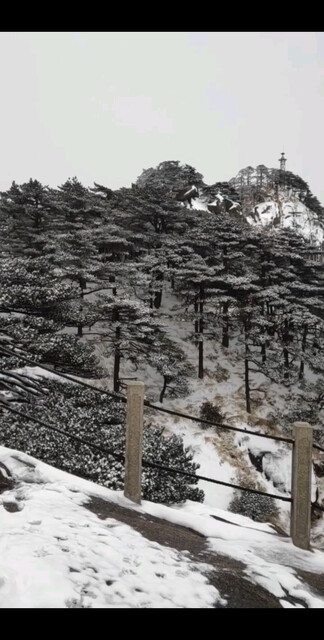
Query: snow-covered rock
[{"x": 288, "y": 211}]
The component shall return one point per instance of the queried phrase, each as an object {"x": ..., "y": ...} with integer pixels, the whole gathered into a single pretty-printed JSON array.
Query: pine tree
[
  {"x": 99, "y": 420},
  {"x": 29, "y": 201}
]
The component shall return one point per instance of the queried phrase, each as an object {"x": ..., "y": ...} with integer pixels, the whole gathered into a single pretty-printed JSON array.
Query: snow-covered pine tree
[
  {"x": 27, "y": 203},
  {"x": 99, "y": 420},
  {"x": 170, "y": 361},
  {"x": 170, "y": 175},
  {"x": 32, "y": 298}
]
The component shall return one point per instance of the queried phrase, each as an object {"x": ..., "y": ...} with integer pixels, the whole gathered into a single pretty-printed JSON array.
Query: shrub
[
  {"x": 211, "y": 412},
  {"x": 259, "y": 508},
  {"x": 100, "y": 420}
]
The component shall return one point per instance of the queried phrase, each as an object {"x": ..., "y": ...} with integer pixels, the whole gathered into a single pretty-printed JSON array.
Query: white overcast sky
[{"x": 103, "y": 106}]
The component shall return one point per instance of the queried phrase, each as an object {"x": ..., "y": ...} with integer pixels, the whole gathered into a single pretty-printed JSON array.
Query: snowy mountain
[
  {"x": 263, "y": 196},
  {"x": 183, "y": 286}
]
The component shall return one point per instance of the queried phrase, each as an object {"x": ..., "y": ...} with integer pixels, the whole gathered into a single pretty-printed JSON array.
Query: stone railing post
[
  {"x": 134, "y": 438},
  {"x": 301, "y": 485}
]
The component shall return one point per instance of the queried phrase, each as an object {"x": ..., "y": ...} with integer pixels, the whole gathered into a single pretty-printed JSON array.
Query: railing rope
[{"x": 300, "y": 521}]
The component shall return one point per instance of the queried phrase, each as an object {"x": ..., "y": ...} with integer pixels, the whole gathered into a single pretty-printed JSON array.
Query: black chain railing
[
  {"x": 145, "y": 463},
  {"x": 148, "y": 404}
]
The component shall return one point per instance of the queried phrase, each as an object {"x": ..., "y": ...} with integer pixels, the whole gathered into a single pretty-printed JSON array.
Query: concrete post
[
  {"x": 134, "y": 437},
  {"x": 300, "y": 518}
]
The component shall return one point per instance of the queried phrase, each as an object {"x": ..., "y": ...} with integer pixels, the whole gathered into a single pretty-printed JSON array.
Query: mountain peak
[
  {"x": 264, "y": 196},
  {"x": 275, "y": 197}
]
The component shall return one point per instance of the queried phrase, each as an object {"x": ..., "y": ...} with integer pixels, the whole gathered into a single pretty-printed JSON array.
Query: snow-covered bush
[
  {"x": 164, "y": 486},
  {"x": 24, "y": 328},
  {"x": 40, "y": 338},
  {"x": 253, "y": 505},
  {"x": 212, "y": 412},
  {"x": 100, "y": 420},
  {"x": 68, "y": 353}
]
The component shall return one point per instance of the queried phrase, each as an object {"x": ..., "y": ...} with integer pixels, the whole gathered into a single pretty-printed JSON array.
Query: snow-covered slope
[
  {"x": 54, "y": 552},
  {"x": 223, "y": 455}
]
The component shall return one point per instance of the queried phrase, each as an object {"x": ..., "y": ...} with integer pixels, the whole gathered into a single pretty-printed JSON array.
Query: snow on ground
[
  {"x": 270, "y": 560},
  {"x": 56, "y": 553},
  {"x": 37, "y": 373},
  {"x": 276, "y": 461},
  {"x": 206, "y": 455}
]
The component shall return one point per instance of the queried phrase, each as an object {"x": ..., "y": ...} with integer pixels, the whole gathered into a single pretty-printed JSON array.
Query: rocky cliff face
[
  {"x": 284, "y": 209},
  {"x": 280, "y": 199}
]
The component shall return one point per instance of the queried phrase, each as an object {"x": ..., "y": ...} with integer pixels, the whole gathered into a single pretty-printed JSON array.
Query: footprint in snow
[
  {"x": 11, "y": 505},
  {"x": 40, "y": 553}
]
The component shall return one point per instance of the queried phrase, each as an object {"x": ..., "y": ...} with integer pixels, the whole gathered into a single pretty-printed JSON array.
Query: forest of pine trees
[{"x": 234, "y": 282}]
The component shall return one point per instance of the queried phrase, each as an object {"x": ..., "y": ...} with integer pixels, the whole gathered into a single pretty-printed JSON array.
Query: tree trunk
[
  {"x": 302, "y": 364},
  {"x": 80, "y": 323},
  {"x": 201, "y": 331},
  {"x": 247, "y": 381},
  {"x": 285, "y": 350},
  {"x": 38, "y": 215},
  {"x": 151, "y": 294},
  {"x": 263, "y": 353},
  {"x": 117, "y": 353},
  {"x": 225, "y": 338},
  {"x": 117, "y": 362},
  {"x": 201, "y": 359},
  {"x": 263, "y": 346},
  {"x": 112, "y": 279},
  {"x": 164, "y": 389},
  {"x": 286, "y": 363},
  {"x": 37, "y": 220},
  {"x": 158, "y": 294},
  {"x": 301, "y": 370},
  {"x": 196, "y": 319},
  {"x": 157, "y": 299}
]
